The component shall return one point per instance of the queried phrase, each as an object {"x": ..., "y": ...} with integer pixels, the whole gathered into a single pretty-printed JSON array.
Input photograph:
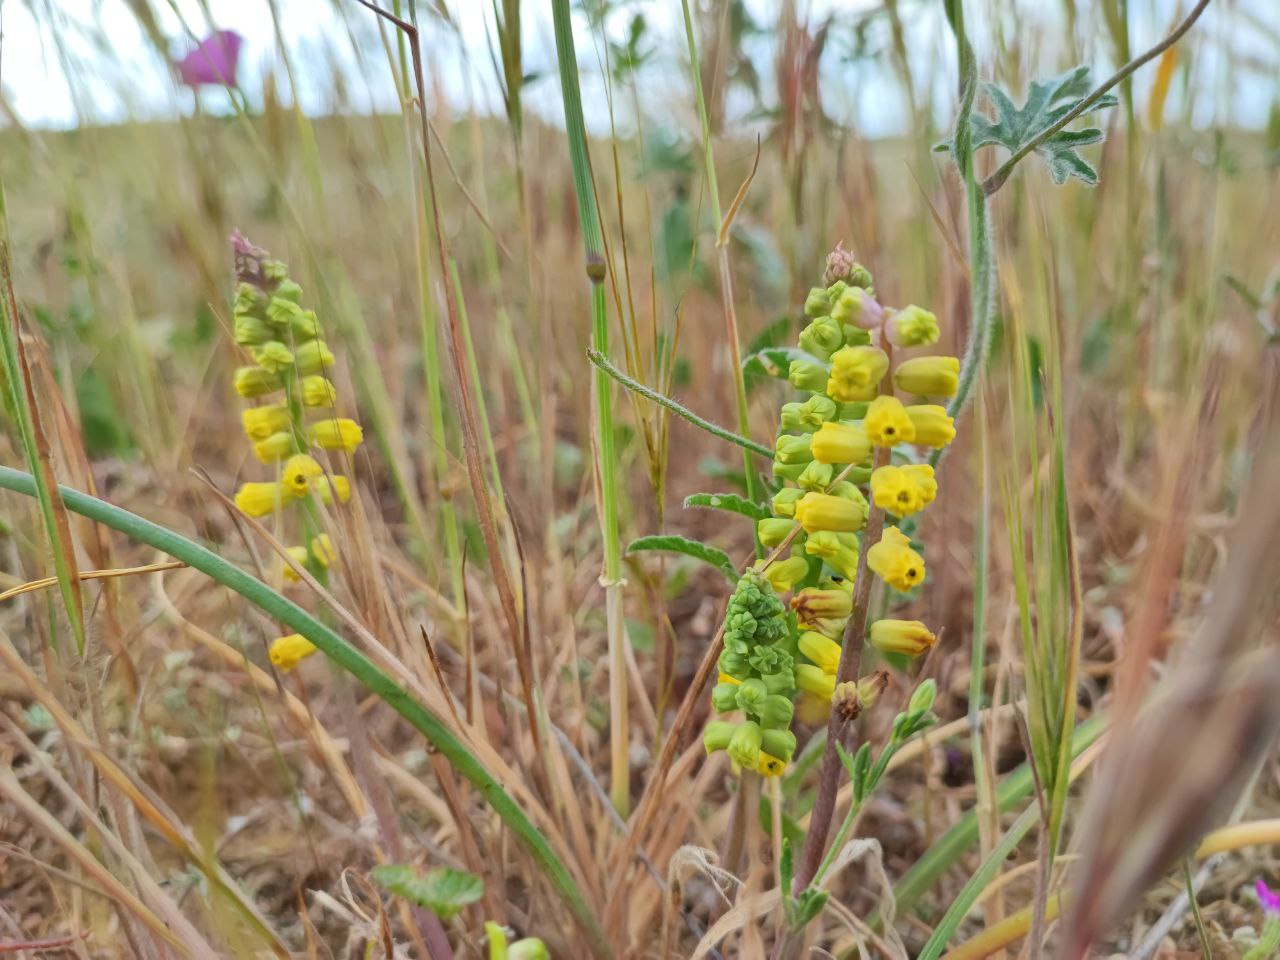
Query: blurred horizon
[{"x": 330, "y": 60}]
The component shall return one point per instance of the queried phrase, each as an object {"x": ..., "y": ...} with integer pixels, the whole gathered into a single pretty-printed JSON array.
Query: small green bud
[
  {"x": 923, "y": 696},
  {"x": 858, "y": 308},
  {"x": 793, "y": 448},
  {"x": 304, "y": 325},
  {"x": 733, "y": 661},
  {"x": 750, "y": 693},
  {"x": 717, "y": 735},
  {"x": 724, "y": 697},
  {"x": 313, "y": 356},
  {"x": 809, "y": 415},
  {"x": 807, "y": 375},
  {"x": 251, "y": 332},
  {"x": 249, "y": 299},
  {"x": 744, "y": 745},
  {"x": 275, "y": 271},
  {"x": 783, "y": 682},
  {"x": 273, "y": 356},
  {"x": 912, "y": 326},
  {"x": 288, "y": 290},
  {"x": 778, "y": 743},
  {"x": 256, "y": 382},
  {"x": 856, "y": 336},
  {"x": 774, "y": 712},
  {"x": 784, "y": 501},
  {"x": 817, "y": 303},
  {"x": 816, "y": 476},
  {"x": 281, "y": 311},
  {"x": 821, "y": 338}
]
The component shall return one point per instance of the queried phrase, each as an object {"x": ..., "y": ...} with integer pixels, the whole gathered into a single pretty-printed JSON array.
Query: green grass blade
[{"x": 348, "y": 658}]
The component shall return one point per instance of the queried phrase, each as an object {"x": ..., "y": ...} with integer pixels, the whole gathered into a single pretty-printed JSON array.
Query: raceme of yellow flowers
[
  {"x": 292, "y": 412},
  {"x": 856, "y": 399}
]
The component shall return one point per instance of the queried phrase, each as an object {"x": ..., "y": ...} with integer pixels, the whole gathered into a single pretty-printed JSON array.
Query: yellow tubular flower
[
  {"x": 317, "y": 391},
  {"x": 903, "y": 491},
  {"x": 823, "y": 651},
  {"x": 322, "y": 550},
  {"x": 261, "y": 422},
  {"x": 770, "y": 766},
  {"x": 299, "y": 471},
  {"x": 275, "y": 447},
  {"x": 259, "y": 499},
  {"x": 299, "y": 555},
  {"x": 337, "y": 433},
  {"x": 841, "y": 443},
  {"x": 929, "y": 376},
  {"x": 287, "y": 652},
  {"x": 784, "y": 574},
  {"x": 856, "y": 373},
  {"x": 328, "y": 487},
  {"x": 255, "y": 382},
  {"x": 838, "y": 550},
  {"x": 934, "y": 428},
  {"x": 902, "y": 636},
  {"x": 813, "y": 603},
  {"x": 815, "y": 680},
  {"x": 894, "y": 560},
  {"x": 821, "y": 511},
  {"x": 887, "y": 422}
]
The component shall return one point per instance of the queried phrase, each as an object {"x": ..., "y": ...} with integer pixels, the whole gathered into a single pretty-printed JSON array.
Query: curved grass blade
[{"x": 348, "y": 658}]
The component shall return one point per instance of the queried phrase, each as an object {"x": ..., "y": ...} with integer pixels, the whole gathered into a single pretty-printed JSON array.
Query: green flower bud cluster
[{"x": 757, "y": 677}]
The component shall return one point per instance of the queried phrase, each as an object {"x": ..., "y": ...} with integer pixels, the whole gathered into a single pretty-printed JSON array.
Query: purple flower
[
  {"x": 1270, "y": 901},
  {"x": 213, "y": 61}
]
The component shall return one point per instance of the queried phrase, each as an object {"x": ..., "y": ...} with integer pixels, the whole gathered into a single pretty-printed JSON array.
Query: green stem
[
  {"x": 675, "y": 407},
  {"x": 726, "y": 274},
  {"x": 348, "y": 658},
  {"x": 593, "y": 243}
]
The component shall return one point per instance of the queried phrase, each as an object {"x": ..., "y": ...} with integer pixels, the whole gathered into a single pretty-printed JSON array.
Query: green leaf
[
  {"x": 444, "y": 891},
  {"x": 774, "y": 361},
  {"x": 691, "y": 548},
  {"x": 728, "y": 501},
  {"x": 1047, "y": 102}
]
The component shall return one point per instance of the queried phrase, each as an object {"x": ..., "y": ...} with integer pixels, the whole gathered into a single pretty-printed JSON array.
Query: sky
[{"x": 116, "y": 74}]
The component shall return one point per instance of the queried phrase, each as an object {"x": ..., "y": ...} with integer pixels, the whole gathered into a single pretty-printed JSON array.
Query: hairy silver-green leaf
[
  {"x": 728, "y": 501},
  {"x": 691, "y": 548},
  {"x": 444, "y": 891}
]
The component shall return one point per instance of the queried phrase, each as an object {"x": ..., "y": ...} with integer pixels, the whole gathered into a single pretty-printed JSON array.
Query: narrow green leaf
[
  {"x": 690, "y": 548},
  {"x": 444, "y": 891},
  {"x": 354, "y": 662},
  {"x": 728, "y": 501}
]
